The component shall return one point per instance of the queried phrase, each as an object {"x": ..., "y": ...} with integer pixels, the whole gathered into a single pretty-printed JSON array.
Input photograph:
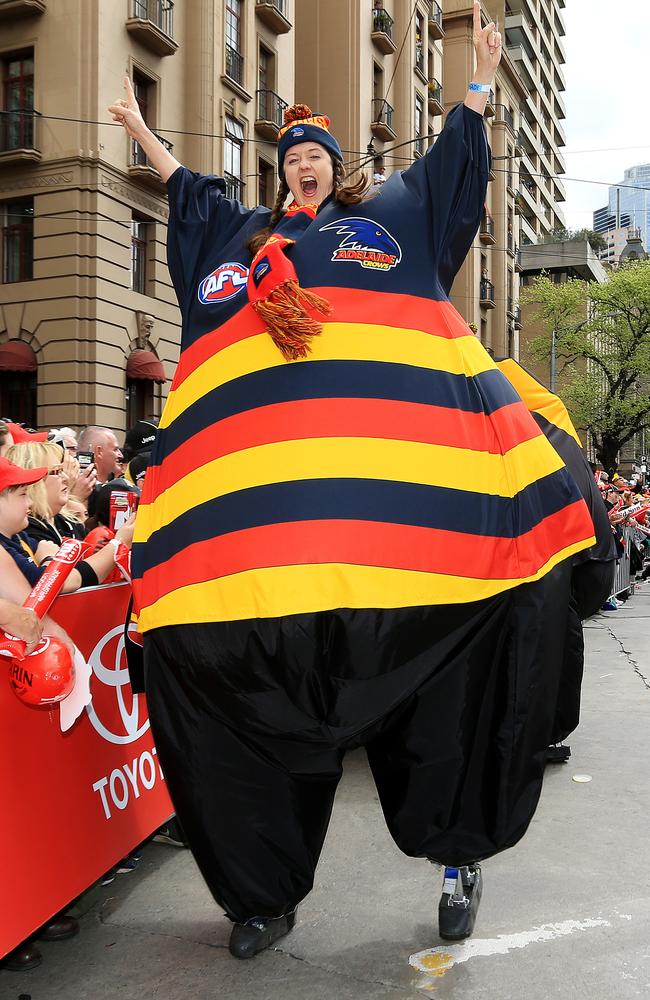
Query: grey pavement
[{"x": 565, "y": 914}]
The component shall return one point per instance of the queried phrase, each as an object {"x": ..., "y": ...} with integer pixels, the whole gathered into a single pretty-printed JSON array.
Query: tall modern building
[
  {"x": 89, "y": 325},
  {"x": 628, "y": 204},
  {"x": 534, "y": 30}
]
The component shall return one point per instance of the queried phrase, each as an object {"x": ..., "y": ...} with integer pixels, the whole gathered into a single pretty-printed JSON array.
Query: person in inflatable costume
[{"x": 352, "y": 531}]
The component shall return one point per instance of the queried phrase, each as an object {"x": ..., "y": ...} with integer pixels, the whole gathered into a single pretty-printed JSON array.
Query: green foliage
[{"x": 605, "y": 358}]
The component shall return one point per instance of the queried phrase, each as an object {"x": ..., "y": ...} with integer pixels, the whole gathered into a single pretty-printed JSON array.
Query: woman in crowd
[
  {"x": 337, "y": 448},
  {"x": 51, "y": 518},
  {"x": 17, "y": 481}
]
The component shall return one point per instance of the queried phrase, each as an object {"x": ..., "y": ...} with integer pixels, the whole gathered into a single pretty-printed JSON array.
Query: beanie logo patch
[
  {"x": 223, "y": 283},
  {"x": 296, "y": 132},
  {"x": 365, "y": 242}
]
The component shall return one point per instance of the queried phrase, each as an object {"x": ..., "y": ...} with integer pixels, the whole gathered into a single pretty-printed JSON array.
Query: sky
[{"x": 607, "y": 98}]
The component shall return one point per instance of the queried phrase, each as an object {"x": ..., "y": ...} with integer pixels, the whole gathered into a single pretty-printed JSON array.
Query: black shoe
[
  {"x": 461, "y": 895},
  {"x": 171, "y": 833},
  {"x": 22, "y": 959},
  {"x": 557, "y": 753},
  {"x": 59, "y": 929},
  {"x": 259, "y": 933}
]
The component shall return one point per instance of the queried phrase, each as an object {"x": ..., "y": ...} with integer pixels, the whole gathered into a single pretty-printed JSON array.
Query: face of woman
[
  {"x": 309, "y": 173},
  {"x": 56, "y": 485}
]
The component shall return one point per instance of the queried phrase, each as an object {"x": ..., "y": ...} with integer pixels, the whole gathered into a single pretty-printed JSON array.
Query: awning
[
  {"x": 145, "y": 364},
  {"x": 15, "y": 356}
]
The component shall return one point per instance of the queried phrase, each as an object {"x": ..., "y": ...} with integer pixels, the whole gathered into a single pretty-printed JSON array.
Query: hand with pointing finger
[
  {"x": 127, "y": 112},
  {"x": 487, "y": 44}
]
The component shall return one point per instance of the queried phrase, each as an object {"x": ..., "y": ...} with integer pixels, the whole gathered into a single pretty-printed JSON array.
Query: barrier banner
[{"x": 75, "y": 803}]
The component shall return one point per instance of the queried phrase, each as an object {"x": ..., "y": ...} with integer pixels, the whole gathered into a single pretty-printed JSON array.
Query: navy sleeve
[
  {"x": 452, "y": 180},
  {"x": 198, "y": 209},
  {"x": 27, "y": 566}
]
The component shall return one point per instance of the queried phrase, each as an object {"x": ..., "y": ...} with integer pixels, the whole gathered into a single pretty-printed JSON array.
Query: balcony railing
[
  {"x": 274, "y": 14},
  {"x": 139, "y": 157},
  {"x": 382, "y": 31},
  {"x": 504, "y": 114},
  {"x": 152, "y": 23},
  {"x": 436, "y": 29},
  {"x": 486, "y": 293},
  {"x": 234, "y": 65},
  {"x": 234, "y": 186},
  {"x": 19, "y": 134},
  {"x": 270, "y": 113},
  {"x": 486, "y": 234},
  {"x": 434, "y": 96},
  {"x": 381, "y": 119}
]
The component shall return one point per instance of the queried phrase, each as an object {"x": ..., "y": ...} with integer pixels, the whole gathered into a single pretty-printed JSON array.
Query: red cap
[
  {"x": 14, "y": 475},
  {"x": 20, "y": 435}
]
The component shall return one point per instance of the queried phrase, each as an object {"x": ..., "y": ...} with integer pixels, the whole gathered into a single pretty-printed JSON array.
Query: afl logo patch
[
  {"x": 295, "y": 132},
  {"x": 223, "y": 283}
]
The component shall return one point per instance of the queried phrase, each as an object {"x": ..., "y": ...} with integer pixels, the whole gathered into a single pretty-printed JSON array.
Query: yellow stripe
[
  {"x": 537, "y": 397},
  {"x": 353, "y": 458},
  {"x": 291, "y": 590},
  {"x": 338, "y": 342}
]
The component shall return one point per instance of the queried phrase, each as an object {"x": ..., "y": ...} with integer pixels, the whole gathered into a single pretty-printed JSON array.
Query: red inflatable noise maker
[{"x": 46, "y": 676}]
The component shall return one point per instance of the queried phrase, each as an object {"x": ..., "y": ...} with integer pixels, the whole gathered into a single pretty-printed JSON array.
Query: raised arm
[
  {"x": 127, "y": 113},
  {"x": 487, "y": 45}
]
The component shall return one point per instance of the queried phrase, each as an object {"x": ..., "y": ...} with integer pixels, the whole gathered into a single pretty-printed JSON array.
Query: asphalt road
[{"x": 565, "y": 914}]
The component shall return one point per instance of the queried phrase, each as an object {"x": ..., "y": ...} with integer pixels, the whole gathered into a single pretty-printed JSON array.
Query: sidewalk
[{"x": 581, "y": 869}]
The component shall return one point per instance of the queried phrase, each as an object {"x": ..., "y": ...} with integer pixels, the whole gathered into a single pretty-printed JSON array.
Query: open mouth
[{"x": 309, "y": 186}]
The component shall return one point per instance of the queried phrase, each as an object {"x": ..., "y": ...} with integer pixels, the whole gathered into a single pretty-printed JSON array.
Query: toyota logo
[{"x": 115, "y": 676}]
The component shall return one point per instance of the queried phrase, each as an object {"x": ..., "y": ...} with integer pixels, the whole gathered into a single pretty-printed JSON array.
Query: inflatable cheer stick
[{"x": 44, "y": 593}]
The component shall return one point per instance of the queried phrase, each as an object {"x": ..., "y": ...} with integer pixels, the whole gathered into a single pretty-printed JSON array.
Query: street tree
[{"x": 599, "y": 334}]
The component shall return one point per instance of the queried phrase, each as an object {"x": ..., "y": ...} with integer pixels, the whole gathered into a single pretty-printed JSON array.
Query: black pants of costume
[
  {"x": 591, "y": 585},
  {"x": 453, "y": 704}
]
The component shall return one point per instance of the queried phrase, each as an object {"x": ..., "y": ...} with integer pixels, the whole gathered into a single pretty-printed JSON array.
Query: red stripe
[
  {"x": 368, "y": 543},
  {"x": 373, "y": 418},
  {"x": 440, "y": 319}
]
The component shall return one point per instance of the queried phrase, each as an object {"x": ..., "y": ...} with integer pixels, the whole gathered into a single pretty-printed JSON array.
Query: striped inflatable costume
[{"x": 370, "y": 546}]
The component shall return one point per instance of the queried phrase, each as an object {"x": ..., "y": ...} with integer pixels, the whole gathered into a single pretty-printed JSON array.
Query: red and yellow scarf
[{"x": 274, "y": 290}]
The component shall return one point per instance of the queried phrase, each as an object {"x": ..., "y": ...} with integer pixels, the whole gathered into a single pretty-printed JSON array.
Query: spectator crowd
[{"x": 54, "y": 485}]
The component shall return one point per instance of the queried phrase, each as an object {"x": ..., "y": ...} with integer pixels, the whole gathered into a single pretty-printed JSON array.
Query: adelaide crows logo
[
  {"x": 223, "y": 283},
  {"x": 365, "y": 242}
]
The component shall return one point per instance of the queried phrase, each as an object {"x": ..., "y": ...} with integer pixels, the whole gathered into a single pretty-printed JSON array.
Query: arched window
[{"x": 18, "y": 382}]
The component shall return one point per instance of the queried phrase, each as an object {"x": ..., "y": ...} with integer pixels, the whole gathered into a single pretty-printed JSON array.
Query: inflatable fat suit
[{"x": 367, "y": 541}]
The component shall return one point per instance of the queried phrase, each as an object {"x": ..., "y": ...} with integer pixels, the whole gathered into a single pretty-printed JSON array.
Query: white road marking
[{"x": 440, "y": 960}]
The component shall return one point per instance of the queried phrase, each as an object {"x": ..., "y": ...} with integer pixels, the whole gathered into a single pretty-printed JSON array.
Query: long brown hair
[{"x": 350, "y": 193}]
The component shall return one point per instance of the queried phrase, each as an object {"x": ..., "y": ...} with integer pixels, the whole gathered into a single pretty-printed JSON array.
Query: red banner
[{"x": 75, "y": 803}]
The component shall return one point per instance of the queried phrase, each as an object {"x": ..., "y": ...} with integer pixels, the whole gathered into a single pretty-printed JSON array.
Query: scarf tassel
[{"x": 284, "y": 313}]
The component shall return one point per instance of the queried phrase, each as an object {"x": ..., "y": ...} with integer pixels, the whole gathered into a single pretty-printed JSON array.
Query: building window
[
  {"x": 143, "y": 88},
  {"x": 139, "y": 400},
  {"x": 139, "y": 235},
  {"x": 265, "y": 70},
  {"x": 419, "y": 42},
  {"x": 233, "y": 144},
  {"x": 18, "y": 240},
  {"x": 419, "y": 124},
  {"x": 234, "y": 58},
  {"x": 17, "y": 102},
  {"x": 18, "y": 397},
  {"x": 265, "y": 192}
]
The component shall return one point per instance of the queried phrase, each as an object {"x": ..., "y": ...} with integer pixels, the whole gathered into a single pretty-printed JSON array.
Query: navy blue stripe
[
  {"x": 365, "y": 500},
  {"x": 483, "y": 393}
]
